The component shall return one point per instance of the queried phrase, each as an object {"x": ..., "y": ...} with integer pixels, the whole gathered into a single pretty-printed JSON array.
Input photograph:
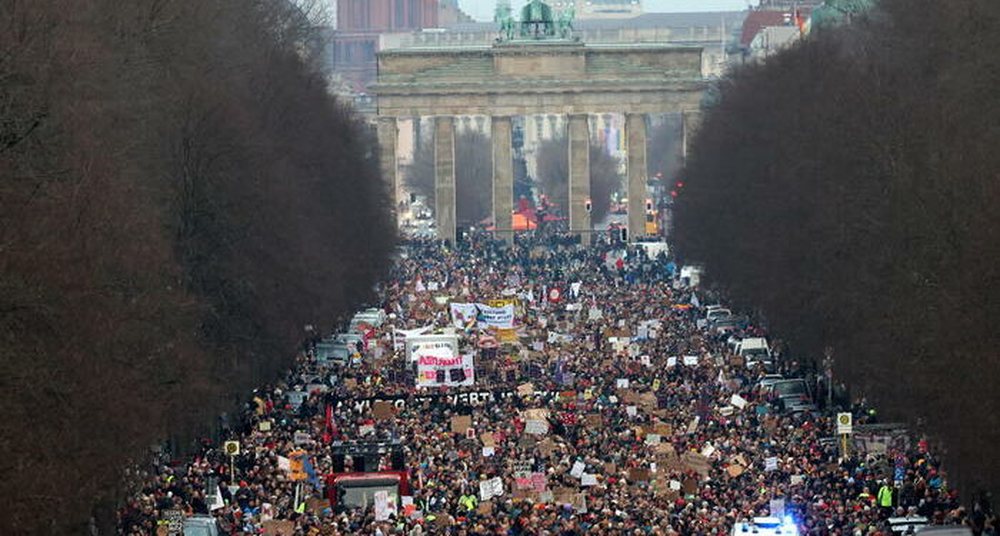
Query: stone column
[
  {"x": 579, "y": 175},
  {"x": 503, "y": 178},
  {"x": 387, "y": 137},
  {"x": 635, "y": 136},
  {"x": 444, "y": 177}
]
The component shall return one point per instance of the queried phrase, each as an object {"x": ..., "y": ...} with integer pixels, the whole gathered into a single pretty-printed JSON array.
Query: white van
[
  {"x": 766, "y": 526},
  {"x": 692, "y": 273},
  {"x": 755, "y": 350}
]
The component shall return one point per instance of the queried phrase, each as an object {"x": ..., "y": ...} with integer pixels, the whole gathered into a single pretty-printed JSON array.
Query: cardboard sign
[
  {"x": 610, "y": 468},
  {"x": 735, "y": 470},
  {"x": 276, "y": 527},
  {"x": 485, "y": 508},
  {"x": 461, "y": 423},
  {"x": 638, "y": 474},
  {"x": 689, "y": 486},
  {"x": 383, "y": 410},
  {"x": 536, "y": 414},
  {"x": 663, "y": 430},
  {"x": 697, "y": 463},
  {"x": 594, "y": 420},
  {"x": 488, "y": 439}
]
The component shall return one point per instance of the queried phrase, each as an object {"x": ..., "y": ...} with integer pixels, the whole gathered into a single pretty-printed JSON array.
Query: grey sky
[{"x": 483, "y": 9}]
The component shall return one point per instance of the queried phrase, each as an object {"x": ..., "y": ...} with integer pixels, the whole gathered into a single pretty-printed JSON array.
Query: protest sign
[
  {"x": 577, "y": 470},
  {"x": 690, "y": 360},
  {"x": 490, "y": 488},
  {"x": 440, "y": 367},
  {"x": 587, "y": 479},
  {"x": 663, "y": 429},
  {"x": 735, "y": 470},
  {"x": 415, "y": 344},
  {"x": 652, "y": 439},
  {"x": 638, "y": 474},
  {"x": 399, "y": 336},
  {"x": 489, "y": 451},
  {"x": 697, "y": 463},
  {"x": 538, "y": 414},
  {"x": 771, "y": 464},
  {"x": 383, "y": 410},
  {"x": 738, "y": 401},
  {"x": 461, "y": 423},
  {"x": 385, "y": 505},
  {"x": 277, "y": 527},
  {"x": 536, "y": 427}
]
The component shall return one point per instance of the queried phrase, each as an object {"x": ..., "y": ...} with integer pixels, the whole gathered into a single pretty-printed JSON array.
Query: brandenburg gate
[{"x": 542, "y": 70}]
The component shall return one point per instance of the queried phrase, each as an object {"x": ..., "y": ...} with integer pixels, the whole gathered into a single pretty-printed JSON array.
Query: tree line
[
  {"x": 848, "y": 188},
  {"x": 179, "y": 197}
]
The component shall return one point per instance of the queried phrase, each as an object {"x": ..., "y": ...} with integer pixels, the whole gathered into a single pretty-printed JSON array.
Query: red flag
[{"x": 555, "y": 295}]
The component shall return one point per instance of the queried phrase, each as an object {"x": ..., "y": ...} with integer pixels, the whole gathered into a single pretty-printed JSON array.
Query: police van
[{"x": 766, "y": 526}]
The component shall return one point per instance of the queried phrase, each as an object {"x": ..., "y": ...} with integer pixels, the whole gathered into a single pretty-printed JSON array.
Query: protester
[{"x": 651, "y": 425}]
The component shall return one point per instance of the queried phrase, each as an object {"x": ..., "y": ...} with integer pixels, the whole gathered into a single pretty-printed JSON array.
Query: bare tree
[
  {"x": 179, "y": 196},
  {"x": 553, "y": 175},
  {"x": 857, "y": 206},
  {"x": 473, "y": 176}
]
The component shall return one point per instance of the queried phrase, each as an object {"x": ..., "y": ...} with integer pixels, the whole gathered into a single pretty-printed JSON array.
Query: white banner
[
  {"x": 468, "y": 315},
  {"x": 464, "y": 315},
  {"x": 440, "y": 366},
  {"x": 416, "y": 344},
  {"x": 497, "y": 317},
  {"x": 399, "y": 336}
]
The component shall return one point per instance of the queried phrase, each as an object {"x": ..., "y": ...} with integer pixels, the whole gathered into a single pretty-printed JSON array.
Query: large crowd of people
[{"x": 649, "y": 423}]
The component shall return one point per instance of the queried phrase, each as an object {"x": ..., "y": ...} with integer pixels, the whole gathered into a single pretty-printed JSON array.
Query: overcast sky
[{"x": 483, "y": 9}]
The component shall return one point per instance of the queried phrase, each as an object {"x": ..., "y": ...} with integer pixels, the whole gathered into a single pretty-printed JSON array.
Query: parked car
[
  {"x": 717, "y": 313},
  {"x": 907, "y": 525},
  {"x": 791, "y": 395},
  {"x": 945, "y": 530},
  {"x": 768, "y": 380},
  {"x": 755, "y": 351},
  {"x": 200, "y": 525}
]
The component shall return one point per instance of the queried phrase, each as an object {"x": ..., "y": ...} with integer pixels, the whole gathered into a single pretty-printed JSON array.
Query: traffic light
[
  {"x": 624, "y": 234},
  {"x": 680, "y": 184},
  {"x": 587, "y": 205},
  {"x": 649, "y": 205}
]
